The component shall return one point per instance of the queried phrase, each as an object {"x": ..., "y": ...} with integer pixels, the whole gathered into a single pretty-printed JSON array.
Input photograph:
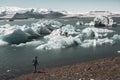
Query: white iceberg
[
  {"x": 44, "y": 27},
  {"x": 41, "y": 30},
  {"x": 105, "y": 41},
  {"x": 87, "y": 43},
  {"x": 29, "y": 31},
  {"x": 98, "y": 30},
  {"x": 116, "y": 37},
  {"x": 49, "y": 24},
  {"x": 78, "y": 23},
  {"x": 118, "y": 51},
  {"x": 34, "y": 43},
  {"x": 58, "y": 39},
  {"x": 56, "y": 42},
  {"x": 59, "y": 36},
  {"x": 70, "y": 29},
  {"x": 97, "y": 42},
  {"x": 85, "y": 38},
  {"x": 103, "y": 21},
  {"x": 92, "y": 32},
  {"x": 3, "y": 43}
]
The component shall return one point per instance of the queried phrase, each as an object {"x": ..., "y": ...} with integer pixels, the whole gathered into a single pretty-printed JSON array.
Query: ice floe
[
  {"x": 55, "y": 35},
  {"x": 2, "y": 43}
]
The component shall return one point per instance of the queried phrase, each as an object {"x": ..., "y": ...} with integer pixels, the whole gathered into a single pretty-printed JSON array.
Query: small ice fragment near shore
[
  {"x": 8, "y": 70},
  {"x": 118, "y": 51},
  {"x": 2, "y": 43}
]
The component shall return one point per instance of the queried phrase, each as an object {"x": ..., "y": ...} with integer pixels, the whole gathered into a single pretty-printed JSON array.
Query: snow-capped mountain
[
  {"x": 12, "y": 10},
  {"x": 42, "y": 11},
  {"x": 30, "y": 12},
  {"x": 18, "y": 10}
]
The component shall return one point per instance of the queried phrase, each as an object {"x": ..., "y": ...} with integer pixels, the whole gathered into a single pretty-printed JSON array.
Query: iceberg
[
  {"x": 92, "y": 32},
  {"x": 105, "y": 41},
  {"x": 15, "y": 37},
  {"x": 34, "y": 43},
  {"x": 69, "y": 29},
  {"x": 55, "y": 35},
  {"x": 57, "y": 39},
  {"x": 50, "y": 24},
  {"x": 44, "y": 27},
  {"x": 12, "y": 34},
  {"x": 97, "y": 42},
  {"x": 104, "y": 21},
  {"x": 118, "y": 51},
  {"x": 116, "y": 37},
  {"x": 57, "y": 42},
  {"x": 86, "y": 38},
  {"x": 3, "y": 43},
  {"x": 78, "y": 23},
  {"x": 98, "y": 30},
  {"x": 87, "y": 43},
  {"x": 19, "y": 34}
]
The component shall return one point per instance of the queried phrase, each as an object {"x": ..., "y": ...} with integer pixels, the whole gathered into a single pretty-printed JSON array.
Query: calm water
[{"x": 19, "y": 59}]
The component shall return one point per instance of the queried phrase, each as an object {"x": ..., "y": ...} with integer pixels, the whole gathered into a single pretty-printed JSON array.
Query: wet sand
[{"x": 101, "y": 69}]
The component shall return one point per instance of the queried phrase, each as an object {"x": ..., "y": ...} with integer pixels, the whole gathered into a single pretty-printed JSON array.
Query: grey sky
[{"x": 69, "y": 5}]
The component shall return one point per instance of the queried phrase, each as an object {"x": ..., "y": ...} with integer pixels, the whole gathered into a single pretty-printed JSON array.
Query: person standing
[{"x": 35, "y": 63}]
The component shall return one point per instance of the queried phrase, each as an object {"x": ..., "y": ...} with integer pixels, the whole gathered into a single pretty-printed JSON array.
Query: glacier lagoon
[{"x": 52, "y": 47}]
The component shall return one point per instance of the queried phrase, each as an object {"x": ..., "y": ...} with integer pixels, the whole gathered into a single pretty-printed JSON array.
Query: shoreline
[{"x": 101, "y": 69}]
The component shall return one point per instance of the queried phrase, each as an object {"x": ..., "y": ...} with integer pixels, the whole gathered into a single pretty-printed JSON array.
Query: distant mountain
[
  {"x": 24, "y": 13},
  {"x": 12, "y": 10},
  {"x": 38, "y": 13}
]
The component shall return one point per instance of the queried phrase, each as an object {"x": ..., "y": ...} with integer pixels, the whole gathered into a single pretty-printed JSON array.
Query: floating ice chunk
[
  {"x": 41, "y": 29},
  {"x": 91, "y": 23},
  {"x": 45, "y": 26},
  {"x": 31, "y": 43},
  {"x": 79, "y": 23},
  {"x": 56, "y": 42},
  {"x": 91, "y": 33},
  {"x": 2, "y": 43},
  {"x": 56, "y": 32},
  {"x": 101, "y": 21},
  {"x": 50, "y": 24},
  {"x": 29, "y": 31},
  {"x": 15, "y": 36},
  {"x": 8, "y": 70},
  {"x": 87, "y": 43},
  {"x": 116, "y": 37},
  {"x": 118, "y": 51},
  {"x": 70, "y": 29},
  {"x": 97, "y": 30},
  {"x": 97, "y": 42},
  {"x": 105, "y": 41},
  {"x": 18, "y": 34}
]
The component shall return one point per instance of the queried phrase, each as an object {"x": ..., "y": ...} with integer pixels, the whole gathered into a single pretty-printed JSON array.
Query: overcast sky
[{"x": 69, "y": 5}]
